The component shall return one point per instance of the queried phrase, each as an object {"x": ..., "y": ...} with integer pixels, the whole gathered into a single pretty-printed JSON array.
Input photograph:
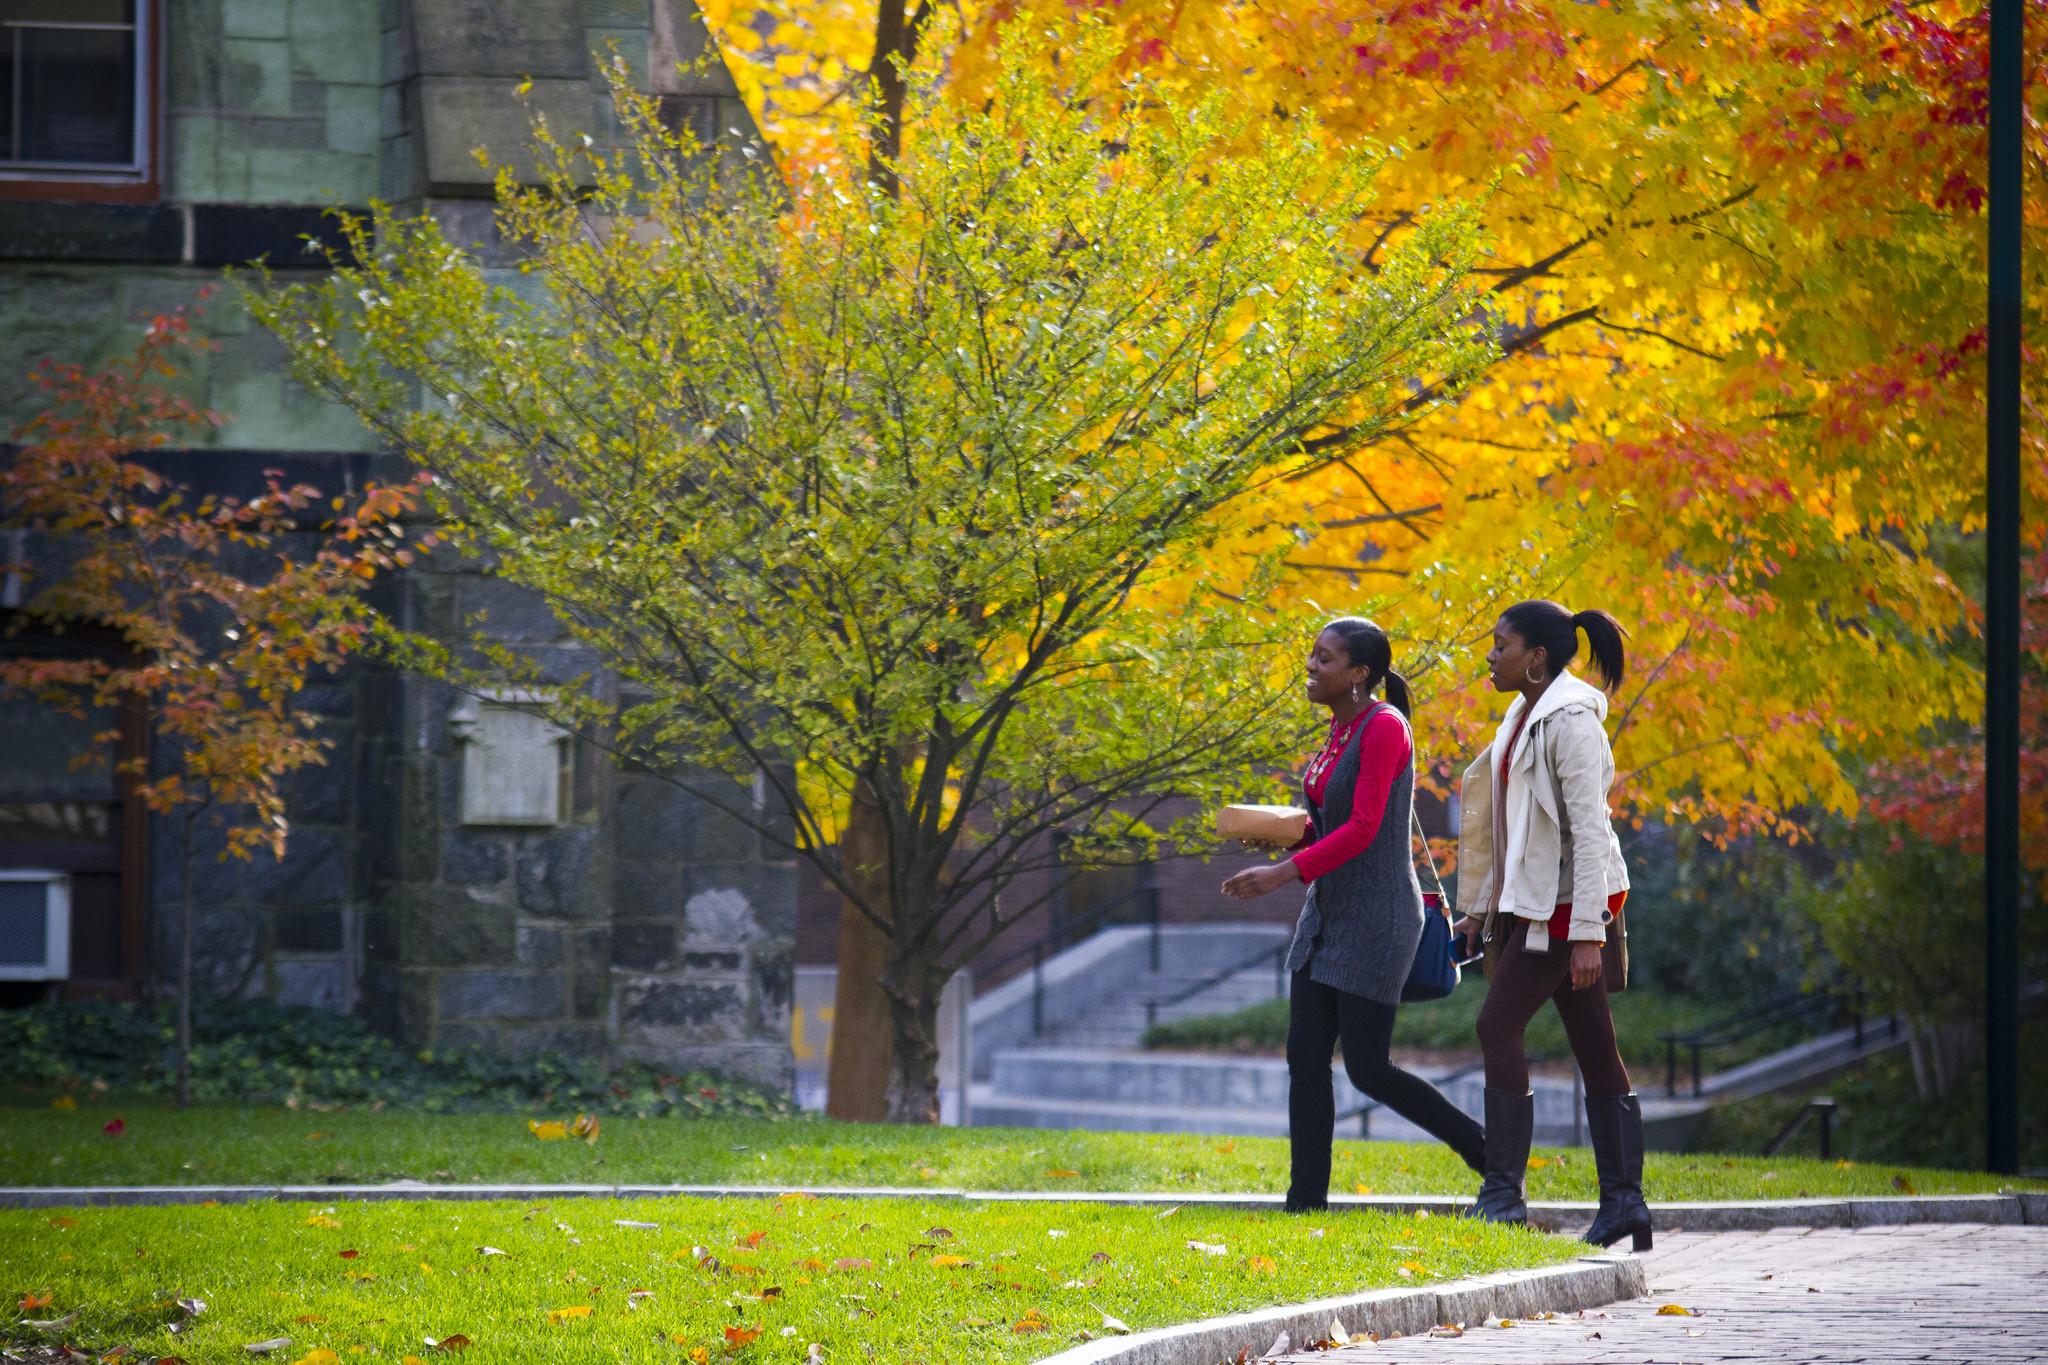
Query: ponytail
[
  {"x": 1368, "y": 647},
  {"x": 1397, "y": 694},
  {"x": 1555, "y": 630},
  {"x": 1603, "y": 634}
]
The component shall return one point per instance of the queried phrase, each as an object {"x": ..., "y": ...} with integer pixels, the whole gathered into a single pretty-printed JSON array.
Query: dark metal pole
[{"x": 2002, "y": 599}]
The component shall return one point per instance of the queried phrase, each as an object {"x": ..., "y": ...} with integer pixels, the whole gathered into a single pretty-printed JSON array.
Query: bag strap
[
  {"x": 1443, "y": 899},
  {"x": 1416, "y": 820}
]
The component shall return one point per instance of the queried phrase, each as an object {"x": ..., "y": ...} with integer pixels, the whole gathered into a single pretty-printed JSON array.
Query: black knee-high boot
[
  {"x": 1510, "y": 1122},
  {"x": 1616, "y": 1125}
]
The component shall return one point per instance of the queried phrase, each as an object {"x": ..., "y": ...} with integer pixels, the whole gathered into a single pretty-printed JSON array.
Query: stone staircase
[
  {"x": 1096, "y": 994},
  {"x": 1058, "y": 1048},
  {"x": 1178, "y": 1092}
]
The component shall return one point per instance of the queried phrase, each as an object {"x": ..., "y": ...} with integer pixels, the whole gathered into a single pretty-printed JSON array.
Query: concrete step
[
  {"x": 1113, "y": 971},
  {"x": 992, "y": 1108}
]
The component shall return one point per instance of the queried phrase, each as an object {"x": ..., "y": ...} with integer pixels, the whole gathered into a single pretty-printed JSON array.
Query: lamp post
[{"x": 2002, "y": 597}]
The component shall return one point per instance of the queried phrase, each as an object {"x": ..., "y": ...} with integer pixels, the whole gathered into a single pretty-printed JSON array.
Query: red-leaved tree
[{"x": 220, "y": 608}]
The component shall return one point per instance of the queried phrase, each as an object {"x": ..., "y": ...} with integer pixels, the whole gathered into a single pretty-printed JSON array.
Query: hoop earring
[{"x": 1532, "y": 680}]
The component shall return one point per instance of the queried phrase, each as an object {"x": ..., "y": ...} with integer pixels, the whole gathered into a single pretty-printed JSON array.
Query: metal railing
[
  {"x": 1277, "y": 953},
  {"x": 1363, "y": 1112},
  {"x": 1777, "y": 1012},
  {"x": 1066, "y": 933},
  {"x": 1823, "y": 1107}
]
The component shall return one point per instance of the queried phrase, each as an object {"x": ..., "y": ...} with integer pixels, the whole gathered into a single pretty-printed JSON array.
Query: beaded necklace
[{"x": 1332, "y": 750}]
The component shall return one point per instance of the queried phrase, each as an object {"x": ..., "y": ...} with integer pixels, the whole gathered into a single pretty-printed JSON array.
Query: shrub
[{"x": 261, "y": 1051}]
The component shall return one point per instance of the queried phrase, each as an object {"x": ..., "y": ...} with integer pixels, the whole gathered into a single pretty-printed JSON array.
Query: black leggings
[
  {"x": 1521, "y": 982},
  {"x": 1317, "y": 1017}
]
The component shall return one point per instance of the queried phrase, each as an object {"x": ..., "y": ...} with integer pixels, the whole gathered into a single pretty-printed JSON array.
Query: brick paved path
[{"x": 1939, "y": 1292}]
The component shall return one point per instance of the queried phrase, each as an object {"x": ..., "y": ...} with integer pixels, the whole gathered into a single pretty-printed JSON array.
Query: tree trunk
[
  {"x": 857, "y": 1080},
  {"x": 914, "y": 1075},
  {"x": 184, "y": 1086}
]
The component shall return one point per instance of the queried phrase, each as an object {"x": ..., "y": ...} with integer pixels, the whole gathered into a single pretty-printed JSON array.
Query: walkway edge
[
  {"x": 1589, "y": 1282},
  {"x": 1707, "y": 1216}
]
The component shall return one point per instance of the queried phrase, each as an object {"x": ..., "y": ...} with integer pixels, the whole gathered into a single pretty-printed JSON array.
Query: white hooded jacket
[{"x": 1557, "y": 788}]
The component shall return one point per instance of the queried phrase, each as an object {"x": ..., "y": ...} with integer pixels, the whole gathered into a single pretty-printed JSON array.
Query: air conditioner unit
[{"x": 35, "y": 925}]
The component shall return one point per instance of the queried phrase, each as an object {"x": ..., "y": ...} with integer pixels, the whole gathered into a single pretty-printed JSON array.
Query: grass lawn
[
  {"x": 244, "y": 1144},
  {"x": 1641, "y": 1019},
  {"x": 674, "y": 1281}
]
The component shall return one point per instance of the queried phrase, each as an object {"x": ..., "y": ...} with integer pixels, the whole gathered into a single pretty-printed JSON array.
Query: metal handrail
[
  {"x": 1363, "y": 1112},
  {"x": 1735, "y": 1028},
  {"x": 1058, "y": 938},
  {"x": 1069, "y": 928},
  {"x": 1277, "y": 952},
  {"x": 1820, "y": 1105}
]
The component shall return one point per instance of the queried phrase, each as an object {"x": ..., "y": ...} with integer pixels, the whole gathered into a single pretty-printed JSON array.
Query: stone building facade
[{"x": 454, "y": 877}]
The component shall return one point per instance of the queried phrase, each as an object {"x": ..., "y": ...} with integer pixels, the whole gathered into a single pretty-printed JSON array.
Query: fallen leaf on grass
[
  {"x": 863, "y": 1263},
  {"x": 633, "y": 1299},
  {"x": 551, "y": 1131},
  {"x": 816, "y": 1355},
  {"x": 558, "y": 1316},
  {"x": 64, "y": 1102},
  {"x": 1064, "y": 1175},
  {"x": 585, "y": 1127},
  {"x": 751, "y": 1240},
  {"x": 1903, "y": 1185},
  {"x": 319, "y": 1355},
  {"x": 952, "y": 1262},
  {"x": 699, "y": 1355},
  {"x": 481, "y": 1251},
  {"x": 1028, "y": 1324},
  {"x": 1110, "y": 1324},
  {"x": 349, "y": 1255},
  {"x": 736, "y": 1337},
  {"x": 31, "y": 1302},
  {"x": 62, "y": 1221},
  {"x": 1361, "y": 1189},
  {"x": 51, "y": 1324},
  {"x": 114, "y": 1126},
  {"x": 454, "y": 1341},
  {"x": 1537, "y": 1163},
  {"x": 1676, "y": 1310},
  {"x": 1263, "y": 1265},
  {"x": 308, "y": 1317},
  {"x": 264, "y": 1348},
  {"x": 794, "y": 1197},
  {"x": 633, "y": 1223},
  {"x": 321, "y": 1220},
  {"x": 1168, "y": 1213},
  {"x": 1209, "y": 1248}
]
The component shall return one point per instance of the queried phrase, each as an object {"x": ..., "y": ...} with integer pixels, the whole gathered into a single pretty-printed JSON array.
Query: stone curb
[
  {"x": 1588, "y": 1282},
  {"x": 1719, "y": 1216}
]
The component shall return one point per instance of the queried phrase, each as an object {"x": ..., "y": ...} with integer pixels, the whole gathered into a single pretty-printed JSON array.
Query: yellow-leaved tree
[{"x": 1738, "y": 256}]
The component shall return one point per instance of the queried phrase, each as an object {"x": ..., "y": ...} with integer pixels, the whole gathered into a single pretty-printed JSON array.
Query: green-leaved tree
[{"x": 903, "y": 501}]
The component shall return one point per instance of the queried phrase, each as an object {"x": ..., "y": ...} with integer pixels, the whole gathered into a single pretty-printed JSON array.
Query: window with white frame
[{"x": 73, "y": 95}]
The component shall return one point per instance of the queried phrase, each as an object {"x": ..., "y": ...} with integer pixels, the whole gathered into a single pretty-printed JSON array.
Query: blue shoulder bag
[{"x": 1434, "y": 974}]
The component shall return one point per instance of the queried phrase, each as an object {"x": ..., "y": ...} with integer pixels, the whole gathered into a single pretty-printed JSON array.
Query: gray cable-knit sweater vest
[{"x": 1362, "y": 920}]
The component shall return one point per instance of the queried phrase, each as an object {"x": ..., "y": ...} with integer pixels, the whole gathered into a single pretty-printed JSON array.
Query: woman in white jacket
[{"x": 1536, "y": 846}]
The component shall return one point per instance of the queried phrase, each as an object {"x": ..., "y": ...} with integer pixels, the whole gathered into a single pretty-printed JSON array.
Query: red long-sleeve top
[{"x": 1383, "y": 751}]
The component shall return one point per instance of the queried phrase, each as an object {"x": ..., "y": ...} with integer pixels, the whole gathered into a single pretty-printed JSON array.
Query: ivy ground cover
[
  {"x": 794, "y": 1278},
  {"x": 243, "y": 1144}
]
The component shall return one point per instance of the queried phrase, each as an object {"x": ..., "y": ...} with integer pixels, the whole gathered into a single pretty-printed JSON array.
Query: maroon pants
[{"x": 1520, "y": 983}]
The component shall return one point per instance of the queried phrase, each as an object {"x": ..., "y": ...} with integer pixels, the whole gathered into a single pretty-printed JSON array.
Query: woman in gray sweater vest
[{"x": 1356, "y": 938}]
